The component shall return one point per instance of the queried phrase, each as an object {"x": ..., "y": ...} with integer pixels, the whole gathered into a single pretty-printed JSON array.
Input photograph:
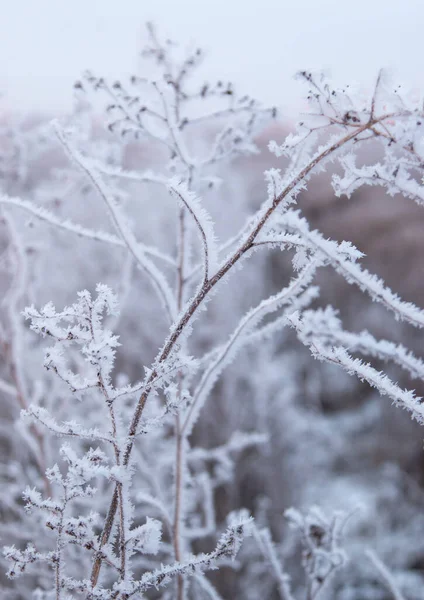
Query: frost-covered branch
[
  {"x": 146, "y": 468},
  {"x": 385, "y": 575},
  {"x": 245, "y": 327},
  {"x": 71, "y": 428},
  {"x": 203, "y": 222},
  {"x": 267, "y": 547},
  {"x": 120, "y": 223},
  {"x": 228, "y": 546},
  {"x": 354, "y": 366},
  {"x": 343, "y": 258},
  {"x": 45, "y": 215},
  {"x": 325, "y": 326},
  {"x": 321, "y": 539}
]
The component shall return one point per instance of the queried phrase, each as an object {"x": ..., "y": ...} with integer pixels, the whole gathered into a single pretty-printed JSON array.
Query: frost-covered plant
[
  {"x": 154, "y": 505},
  {"x": 321, "y": 540}
]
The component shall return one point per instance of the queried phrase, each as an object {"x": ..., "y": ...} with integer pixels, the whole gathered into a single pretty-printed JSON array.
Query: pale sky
[{"x": 258, "y": 44}]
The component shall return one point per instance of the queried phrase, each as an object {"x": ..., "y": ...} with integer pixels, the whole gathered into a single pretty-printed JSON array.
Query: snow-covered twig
[
  {"x": 385, "y": 575},
  {"x": 354, "y": 366},
  {"x": 45, "y": 215},
  {"x": 246, "y": 326},
  {"x": 120, "y": 223},
  {"x": 203, "y": 222}
]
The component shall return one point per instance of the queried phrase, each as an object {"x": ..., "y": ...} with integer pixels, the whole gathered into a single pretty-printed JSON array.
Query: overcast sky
[{"x": 258, "y": 44}]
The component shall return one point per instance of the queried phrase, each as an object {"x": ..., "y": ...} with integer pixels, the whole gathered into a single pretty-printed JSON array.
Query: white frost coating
[
  {"x": 101, "y": 236},
  {"x": 188, "y": 200},
  {"x": 366, "y": 372},
  {"x": 392, "y": 175},
  {"x": 207, "y": 587},
  {"x": 341, "y": 256},
  {"x": 150, "y": 468},
  {"x": 146, "y": 538},
  {"x": 119, "y": 220},
  {"x": 114, "y": 171},
  {"x": 228, "y": 546},
  {"x": 80, "y": 324},
  {"x": 67, "y": 428},
  {"x": 327, "y": 327},
  {"x": 235, "y": 342},
  {"x": 170, "y": 117},
  {"x": 385, "y": 575},
  {"x": 321, "y": 537},
  {"x": 265, "y": 543}
]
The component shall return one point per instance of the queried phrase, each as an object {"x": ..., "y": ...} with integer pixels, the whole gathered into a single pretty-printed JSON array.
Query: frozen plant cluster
[{"x": 123, "y": 498}]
